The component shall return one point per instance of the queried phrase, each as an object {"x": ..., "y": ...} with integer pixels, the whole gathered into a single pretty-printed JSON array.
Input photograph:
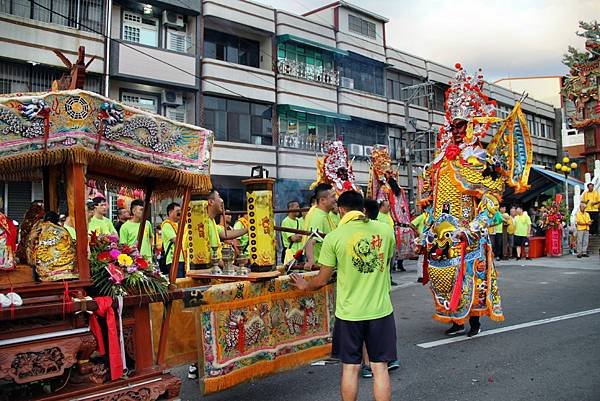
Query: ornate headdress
[
  {"x": 335, "y": 168},
  {"x": 466, "y": 101}
]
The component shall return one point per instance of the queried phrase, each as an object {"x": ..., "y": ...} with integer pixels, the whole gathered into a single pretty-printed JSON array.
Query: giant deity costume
[
  {"x": 461, "y": 191},
  {"x": 383, "y": 185}
]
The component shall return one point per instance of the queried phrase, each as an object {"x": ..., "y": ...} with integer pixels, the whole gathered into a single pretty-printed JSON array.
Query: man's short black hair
[
  {"x": 380, "y": 204},
  {"x": 171, "y": 206},
  {"x": 371, "y": 208},
  {"x": 136, "y": 202},
  {"x": 212, "y": 194},
  {"x": 320, "y": 191},
  {"x": 289, "y": 204},
  {"x": 351, "y": 200},
  {"x": 52, "y": 217},
  {"x": 98, "y": 200}
]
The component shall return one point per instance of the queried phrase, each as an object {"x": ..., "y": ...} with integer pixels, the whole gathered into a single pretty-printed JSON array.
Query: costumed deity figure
[
  {"x": 32, "y": 216},
  {"x": 334, "y": 168},
  {"x": 8, "y": 243},
  {"x": 383, "y": 185},
  {"x": 52, "y": 250},
  {"x": 461, "y": 191}
]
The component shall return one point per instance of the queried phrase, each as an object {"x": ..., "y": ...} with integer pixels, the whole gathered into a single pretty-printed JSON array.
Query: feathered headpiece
[{"x": 466, "y": 101}]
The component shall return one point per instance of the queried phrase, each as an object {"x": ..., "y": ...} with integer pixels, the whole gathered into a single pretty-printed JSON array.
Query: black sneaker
[
  {"x": 579, "y": 256},
  {"x": 474, "y": 331},
  {"x": 420, "y": 280},
  {"x": 455, "y": 329},
  {"x": 193, "y": 372},
  {"x": 585, "y": 255},
  {"x": 518, "y": 258},
  {"x": 527, "y": 258},
  {"x": 394, "y": 283}
]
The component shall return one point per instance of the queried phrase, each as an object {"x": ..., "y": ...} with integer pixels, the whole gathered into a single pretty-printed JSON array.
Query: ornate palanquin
[
  {"x": 70, "y": 139},
  {"x": 246, "y": 330}
]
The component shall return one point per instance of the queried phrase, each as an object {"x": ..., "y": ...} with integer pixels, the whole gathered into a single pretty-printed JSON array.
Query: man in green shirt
[
  {"x": 129, "y": 230},
  {"x": 169, "y": 234},
  {"x": 334, "y": 215},
  {"x": 522, "y": 223},
  {"x": 318, "y": 220},
  {"x": 384, "y": 214},
  {"x": 242, "y": 242},
  {"x": 418, "y": 225},
  {"x": 498, "y": 229},
  {"x": 291, "y": 241},
  {"x": 361, "y": 251},
  {"x": 99, "y": 222}
]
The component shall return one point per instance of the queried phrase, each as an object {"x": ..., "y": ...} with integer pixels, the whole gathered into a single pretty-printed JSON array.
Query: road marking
[{"x": 509, "y": 328}]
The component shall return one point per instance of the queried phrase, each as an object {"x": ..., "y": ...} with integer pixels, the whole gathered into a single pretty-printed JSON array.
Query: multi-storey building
[{"x": 272, "y": 85}]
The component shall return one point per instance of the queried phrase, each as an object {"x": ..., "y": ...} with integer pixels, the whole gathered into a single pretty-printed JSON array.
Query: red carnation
[
  {"x": 142, "y": 263},
  {"x": 104, "y": 256}
]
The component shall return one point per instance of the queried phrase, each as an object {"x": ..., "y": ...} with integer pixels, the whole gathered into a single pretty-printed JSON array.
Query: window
[
  {"x": 144, "y": 102},
  {"x": 396, "y": 81},
  {"x": 87, "y": 15},
  {"x": 589, "y": 138},
  {"x": 306, "y": 62},
  {"x": 361, "y": 26},
  {"x": 230, "y": 48},
  {"x": 530, "y": 124},
  {"x": 24, "y": 77},
  {"x": 305, "y": 131},
  {"x": 367, "y": 77},
  {"x": 140, "y": 29},
  {"x": 178, "y": 41},
  {"x": 362, "y": 133},
  {"x": 238, "y": 121}
]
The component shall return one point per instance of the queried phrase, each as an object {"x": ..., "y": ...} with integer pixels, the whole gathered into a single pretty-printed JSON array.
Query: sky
[{"x": 506, "y": 38}]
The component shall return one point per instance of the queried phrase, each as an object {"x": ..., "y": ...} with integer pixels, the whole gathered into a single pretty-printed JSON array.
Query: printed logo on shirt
[{"x": 366, "y": 255}]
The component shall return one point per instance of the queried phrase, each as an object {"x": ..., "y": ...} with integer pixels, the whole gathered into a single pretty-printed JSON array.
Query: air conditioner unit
[
  {"x": 172, "y": 98},
  {"x": 355, "y": 150},
  {"x": 368, "y": 150},
  {"x": 176, "y": 114},
  {"x": 172, "y": 19},
  {"x": 347, "y": 83}
]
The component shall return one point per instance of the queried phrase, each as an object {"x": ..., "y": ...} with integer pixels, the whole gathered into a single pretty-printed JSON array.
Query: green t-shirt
[
  {"x": 318, "y": 220},
  {"x": 335, "y": 218},
  {"x": 285, "y": 237},
  {"x": 103, "y": 226},
  {"x": 243, "y": 240},
  {"x": 385, "y": 218},
  {"x": 361, "y": 251},
  {"x": 522, "y": 224},
  {"x": 71, "y": 231},
  {"x": 128, "y": 236},
  {"x": 169, "y": 233},
  {"x": 419, "y": 222},
  {"x": 497, "y": 219}
]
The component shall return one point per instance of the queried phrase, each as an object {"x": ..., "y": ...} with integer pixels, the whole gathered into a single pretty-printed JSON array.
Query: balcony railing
[
  {"x": 303, "y": 141},
  {"x": 307, "y": 71}
]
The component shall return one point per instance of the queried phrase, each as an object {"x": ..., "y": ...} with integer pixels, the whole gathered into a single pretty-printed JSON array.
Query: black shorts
[
  {"x": 379, "y": 335},
  {"x": 521, "y": 241}
]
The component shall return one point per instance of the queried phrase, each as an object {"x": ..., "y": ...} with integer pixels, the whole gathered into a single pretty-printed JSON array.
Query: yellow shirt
[
  {"x": 583, "y": 220},
  {"x": 510, "y": 228},
  {"x": 589, "y": 198}
]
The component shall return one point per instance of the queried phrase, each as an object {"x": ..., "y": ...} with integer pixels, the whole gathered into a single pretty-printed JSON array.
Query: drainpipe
[{"x": 108, "y": 26}]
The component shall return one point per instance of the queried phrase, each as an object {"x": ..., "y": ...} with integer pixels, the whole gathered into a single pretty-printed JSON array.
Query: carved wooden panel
[{"x": 28, "y": 362}]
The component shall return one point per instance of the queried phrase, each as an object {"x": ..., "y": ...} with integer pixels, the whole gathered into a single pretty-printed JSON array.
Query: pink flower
[
  {"x": 114, "y": 253},
  {"x": 132, "y": 269}
]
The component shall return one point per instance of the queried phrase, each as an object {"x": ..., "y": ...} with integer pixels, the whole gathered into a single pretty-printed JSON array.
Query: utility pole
[{"x": 408, "y": 94}]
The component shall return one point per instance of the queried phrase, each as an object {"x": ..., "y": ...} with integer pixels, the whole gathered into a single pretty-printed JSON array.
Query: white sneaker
[{"x": 193, "y": 372}]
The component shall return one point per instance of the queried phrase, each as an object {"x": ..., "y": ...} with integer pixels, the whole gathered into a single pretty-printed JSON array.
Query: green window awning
[
  {"x": 284, "y": 108},
  {"x": 298, "y": 39}
]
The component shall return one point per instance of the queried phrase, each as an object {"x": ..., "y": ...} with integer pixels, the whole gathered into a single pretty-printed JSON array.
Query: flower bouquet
[
  {"x": 552, "y": 214},
  {"x": 118, "y": 269}
]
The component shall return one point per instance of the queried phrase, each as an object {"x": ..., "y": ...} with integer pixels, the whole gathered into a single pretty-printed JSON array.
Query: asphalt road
[{"x": 554, "y": 361}]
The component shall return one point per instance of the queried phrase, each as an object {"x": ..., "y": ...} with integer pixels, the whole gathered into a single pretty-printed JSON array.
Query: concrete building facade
[{"x": 272, "y": 85}]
